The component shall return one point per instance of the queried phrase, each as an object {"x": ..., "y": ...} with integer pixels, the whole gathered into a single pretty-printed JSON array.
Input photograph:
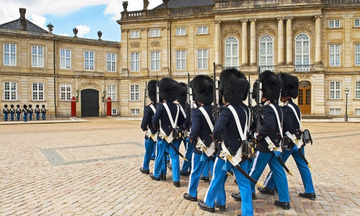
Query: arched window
[
  {"x": 231, "y": 52},
  {"x": 302, "y": 52},
  {"x": 266, "y": 53}
]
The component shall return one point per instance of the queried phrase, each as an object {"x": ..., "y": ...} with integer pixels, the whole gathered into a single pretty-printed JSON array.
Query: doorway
[
  {"x": 89, "y": 103},
  {"x": 304, "y": 98}
]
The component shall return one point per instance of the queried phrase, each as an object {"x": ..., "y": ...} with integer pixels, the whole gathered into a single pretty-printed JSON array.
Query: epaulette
[{"x": 267, "y": 103}]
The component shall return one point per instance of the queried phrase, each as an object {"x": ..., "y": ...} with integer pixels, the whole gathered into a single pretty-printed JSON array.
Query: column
[
  {"x": 217, "y": 42},
  {"x": 318, "y": 39},
  {"x": 252, "y": 42},
  {"x": 244, "y": 56},
  {"x": 289, "y": 40},
  {"x": 280, "y": 41}
]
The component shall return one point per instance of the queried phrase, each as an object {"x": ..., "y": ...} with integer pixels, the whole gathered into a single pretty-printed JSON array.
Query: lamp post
[
  {"x": 346, "y": 94},
  {"x": 104, "y": 94},
  {"x": 77, "y": 95}
]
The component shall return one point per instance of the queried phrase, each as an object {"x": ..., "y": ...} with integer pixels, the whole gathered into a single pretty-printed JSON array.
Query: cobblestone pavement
[{"x": 92, "y": 168}]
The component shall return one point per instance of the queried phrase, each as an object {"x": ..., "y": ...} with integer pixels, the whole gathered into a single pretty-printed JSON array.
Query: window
[
  {"x": 357, "y": 54},
  {"x": 202, "y": 59},
  {"x": 111, "y": 92},
  {"x": 134, "y": 34},
  {"x": 155, "y": 61},
  {"x": 231, "y": 52},
  {"x": 65, "y": 92},
  {"x": 334, "y": 90},
  {"x": 10, "y": 89},
  {"x": 180, "y": 31},
  {"x": 37, "y": 56},
  {"x": 357, "y": 90},
  {"x": 114, "y": 112},
  {"x": 302, "y": 53},
  {"x": 38, "y": 91},
  {"x": 180, "y": 60},
  {"x": 135, "y": 111},
  {"x": 334, "y": 23},
  {"x": 135, "y": 61},
  {"x": 89, "y": 60},
  {"x": 134, "y": 93},
  {"x": 111, "y": 62},
  {"x": 155, "y": 33},
  {"x": 334, "y": 55},
  {"x": 357, "y": 22},
  {"x": 266, "y": 53},
  {"x": 334, "y": 111},
  {"x": 357, "y": 111},
  {"x": 65, "y": 59},
  {"x": 202, "y": 30},
  {"x": 9, "y": 54}
]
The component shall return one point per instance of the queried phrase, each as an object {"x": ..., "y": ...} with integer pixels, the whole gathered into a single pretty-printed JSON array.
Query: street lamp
[
  {"x": 346, "y": 94},
  {"x": 77, "y": 95},
  {"x": 103, "y": 97}
]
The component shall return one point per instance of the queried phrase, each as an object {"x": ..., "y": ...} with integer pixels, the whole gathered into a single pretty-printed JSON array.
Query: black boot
[
  {"x": 284, "y": 205},
  {"x": 266, "y": 190},
  {"x": 311, "y": 196}
]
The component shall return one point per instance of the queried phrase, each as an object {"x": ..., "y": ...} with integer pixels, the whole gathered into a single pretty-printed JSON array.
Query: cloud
[
  {"x": 63, "y": 34},
  {"x": 114, "y": 7},
  {"x": 82, "y": 30},
  {"x": 39, "y": 20}
]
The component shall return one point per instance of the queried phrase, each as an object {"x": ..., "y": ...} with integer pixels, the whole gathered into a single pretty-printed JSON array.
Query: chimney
[{"x": 22, "y": 19}]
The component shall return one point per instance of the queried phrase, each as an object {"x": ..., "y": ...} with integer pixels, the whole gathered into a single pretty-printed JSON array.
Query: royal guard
[
  {"x": 12, "y": 112},
  {"x": 30, "y": 111},
  {"x": 43, "y": 112},
  {"x": 168, "y": 113},
  {"x": 37, "y": 112},
  {"x": 25, "y": 112},
  {"x": 6, "y": 112},
  {"x": 18, "y": 112}
]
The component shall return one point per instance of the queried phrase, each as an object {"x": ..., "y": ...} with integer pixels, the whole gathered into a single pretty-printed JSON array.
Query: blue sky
[{"x": 89, "y": 16}]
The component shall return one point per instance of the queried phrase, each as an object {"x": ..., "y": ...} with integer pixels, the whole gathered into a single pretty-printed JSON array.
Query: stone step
[{"x": 309, "y": 116}]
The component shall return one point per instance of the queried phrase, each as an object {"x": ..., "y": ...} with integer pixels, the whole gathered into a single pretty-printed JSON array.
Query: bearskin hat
[
  {"x": 229, "y": 74},
  {"x": 168, "y": 89},
  {"x": 235, "y": 89},
  {"x": 202, "y": 89},
  {"x": 271, "y": 85},
  {"x": 25, "y": 106},
  {"x": 5, "y": 105},
  {"x": 12, "y": 105},
  {"x": 290, "y": 85},
  {"x": 30, "y": 105},
  {"x": 152, "y": 90},
  {"x": 182, "y": 94},
  {"x": 37, "y": 105}
]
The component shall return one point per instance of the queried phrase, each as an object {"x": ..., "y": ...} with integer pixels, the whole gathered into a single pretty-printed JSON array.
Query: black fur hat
[
  {"x": 235, "y": 89},
  {"x": 168, "y": 89},
  {"x": 152, "y": 90},
  {"x": 229, "y": 74},
  {"x": 11, "y": 105},
  {"x": 25, "y": 106},
  {"x": 37, "y": 105},
  {"x": 271, "y": 85},
  {"x": 43, "y": 106},
  {"x": 202, "y": 89},
  {"x": 182, "y": 94},
  {"x": 18, "y": 106},
  {"x": 290, "y": 85},
  {"x": 30, "y": 105},
  {"x": 5, "y": 105}
]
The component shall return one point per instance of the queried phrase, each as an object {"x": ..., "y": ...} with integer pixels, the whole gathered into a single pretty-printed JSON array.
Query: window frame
[
  {"x": 111, "y": 63},
  {"x": 37, "y": 57},
  {"x": 38, "y": 92},
  {"x": 136, "y": 111},
  {"x": 202, "y": 59},
  {"x": 357, "y": 54},
  {"x": 10, "y": 94},
  {"x": 111, "y": 92},
  {"x": 180, "y": 31},
  {"x": 63, "y": 59},
  {"x": 135, "y": 63},
  {"x": 180, "y": 59},
  {"x": 357, "y": 90},
  {"x": 12, "y": 60},
  {"x": 335, "y": 93},
  {"x": 357, "y": 22},
  {"x": 155, "y": 60},
  {"x": 155, "y": 33},
  {"x": 200, "y": 30},
  {"x": 334, "y": 23},
  {"x": 269, "y": 55},
  {"x": 134, "y": 92},
  {"x": 66, "y": 93},
  {"x": 336, "y": 56},
  {"x": 89, "y": 60},
  {"x": 303, "y": 54},
  {"x": 233, "y": 58},
  {"x": 135, "y": 34}
]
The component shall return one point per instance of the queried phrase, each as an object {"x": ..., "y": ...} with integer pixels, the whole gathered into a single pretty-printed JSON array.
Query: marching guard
[
  {"x": 12, "y": 112},
  {"x": 37, "y": 112},
  {"x": 146, "y": 125},
  {"x": 291, "y": 128},
  {"x": 25, "y": 112},
  {"x": 167, "y": 120},
  {"x": 30, "y": 111},
  {"x": 6, "y": 112},
  {"x": 43, "y": 112},
  {"x": 18, "y": 112}
]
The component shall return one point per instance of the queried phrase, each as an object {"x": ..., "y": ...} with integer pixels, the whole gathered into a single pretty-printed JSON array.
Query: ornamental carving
[
  {"x": 302, "y": 28},
  {"x": 266, "y": 30},
  {"x": 155, "y": 44},
  {"x": 231, "y": 31},
  {"x": 89, "y": 83},
  {"x": 135, "y": 44}
]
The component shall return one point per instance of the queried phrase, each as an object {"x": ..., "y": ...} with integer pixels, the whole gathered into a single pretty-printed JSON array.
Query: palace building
[{"x": 316, "y": 40}]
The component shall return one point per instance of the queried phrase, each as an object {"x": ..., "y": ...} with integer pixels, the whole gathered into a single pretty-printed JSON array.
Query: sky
[{"x": 88, "y": 16}]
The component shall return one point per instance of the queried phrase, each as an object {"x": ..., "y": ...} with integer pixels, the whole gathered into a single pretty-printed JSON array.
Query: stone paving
[{"x": 92, "y": 168}]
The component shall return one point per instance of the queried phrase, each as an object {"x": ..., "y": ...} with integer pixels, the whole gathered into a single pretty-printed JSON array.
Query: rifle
[
  {"x": 145, "y": 93},
  {"x": 189, "y": 97},
  {"x": 258, "y": 106},
  {"x": 157, "y": 91},
  {"x": 216, "y": 102}
]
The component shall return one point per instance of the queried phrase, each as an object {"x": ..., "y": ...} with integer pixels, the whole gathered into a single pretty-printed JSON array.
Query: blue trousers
[
  {"x": 43, "y": 116},
  {"x": 153, "y": 154},
  {"x": 30, "y": 116},
  {"x": 12, "y": 116},
  {"x": 37, "y": 116},
  {"x": 25, "y": 117},
  {"x": 208, "y": 168},
  {"x": 149, "y": 147},
  {"x": 160, "y": 161},
  {"x": 6, "y": 116},
  {"x": 258, "y": 166},
  {"x": 18, "y": 116},
  {"x": 198, "y": 163},
  {"x": 303, "y": 169},
  {"x": 217, "y": 186},
  {"x": 189, "y": 148}
]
